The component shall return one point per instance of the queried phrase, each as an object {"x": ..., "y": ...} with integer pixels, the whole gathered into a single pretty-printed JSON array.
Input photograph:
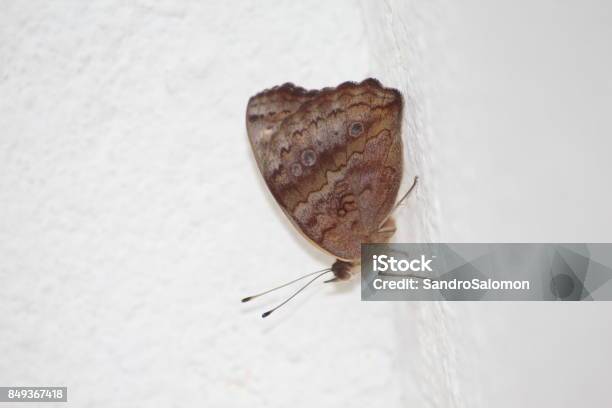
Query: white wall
[
  {"x": 511, "y": 138},
  {"x": 133, "y": 219}
]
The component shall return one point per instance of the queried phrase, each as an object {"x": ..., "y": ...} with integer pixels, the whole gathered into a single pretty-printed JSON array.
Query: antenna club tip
[
  {"x": 268, "y": 313},
  {"x": 246, "y": 299}
]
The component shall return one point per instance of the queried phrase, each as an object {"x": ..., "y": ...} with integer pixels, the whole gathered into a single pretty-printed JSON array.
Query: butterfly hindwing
[{"x": 331, "y": 158}]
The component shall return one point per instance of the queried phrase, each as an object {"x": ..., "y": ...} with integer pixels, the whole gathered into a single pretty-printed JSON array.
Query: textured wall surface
[
  {"x": 133, "y": 218},
  {"x": 510, "y": 134}
]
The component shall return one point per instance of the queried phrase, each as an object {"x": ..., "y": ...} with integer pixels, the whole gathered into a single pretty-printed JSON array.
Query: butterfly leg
[
  {"x": 405, "y": 196},
  {"x": 385, "y": 232},
  {"x": 389, "y": 230}
]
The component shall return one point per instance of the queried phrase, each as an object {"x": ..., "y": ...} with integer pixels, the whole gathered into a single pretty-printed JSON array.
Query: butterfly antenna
[
  {"x": 246, "y": 299},
  {"x": 269, "y": 312}
]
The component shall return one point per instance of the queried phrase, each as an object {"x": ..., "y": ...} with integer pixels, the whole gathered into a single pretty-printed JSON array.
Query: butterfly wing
[{"x": 331, "y": 158}]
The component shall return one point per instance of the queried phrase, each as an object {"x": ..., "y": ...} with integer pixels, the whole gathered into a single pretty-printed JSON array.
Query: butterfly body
[{"x": 332, "y": 159}]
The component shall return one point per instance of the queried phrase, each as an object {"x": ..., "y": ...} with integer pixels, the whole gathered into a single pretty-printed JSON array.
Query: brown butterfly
[{"x": 332, "y": 159}]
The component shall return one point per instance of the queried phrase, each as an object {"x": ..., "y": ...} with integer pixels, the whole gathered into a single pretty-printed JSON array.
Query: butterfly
[{"x": 332, "y": 159}]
